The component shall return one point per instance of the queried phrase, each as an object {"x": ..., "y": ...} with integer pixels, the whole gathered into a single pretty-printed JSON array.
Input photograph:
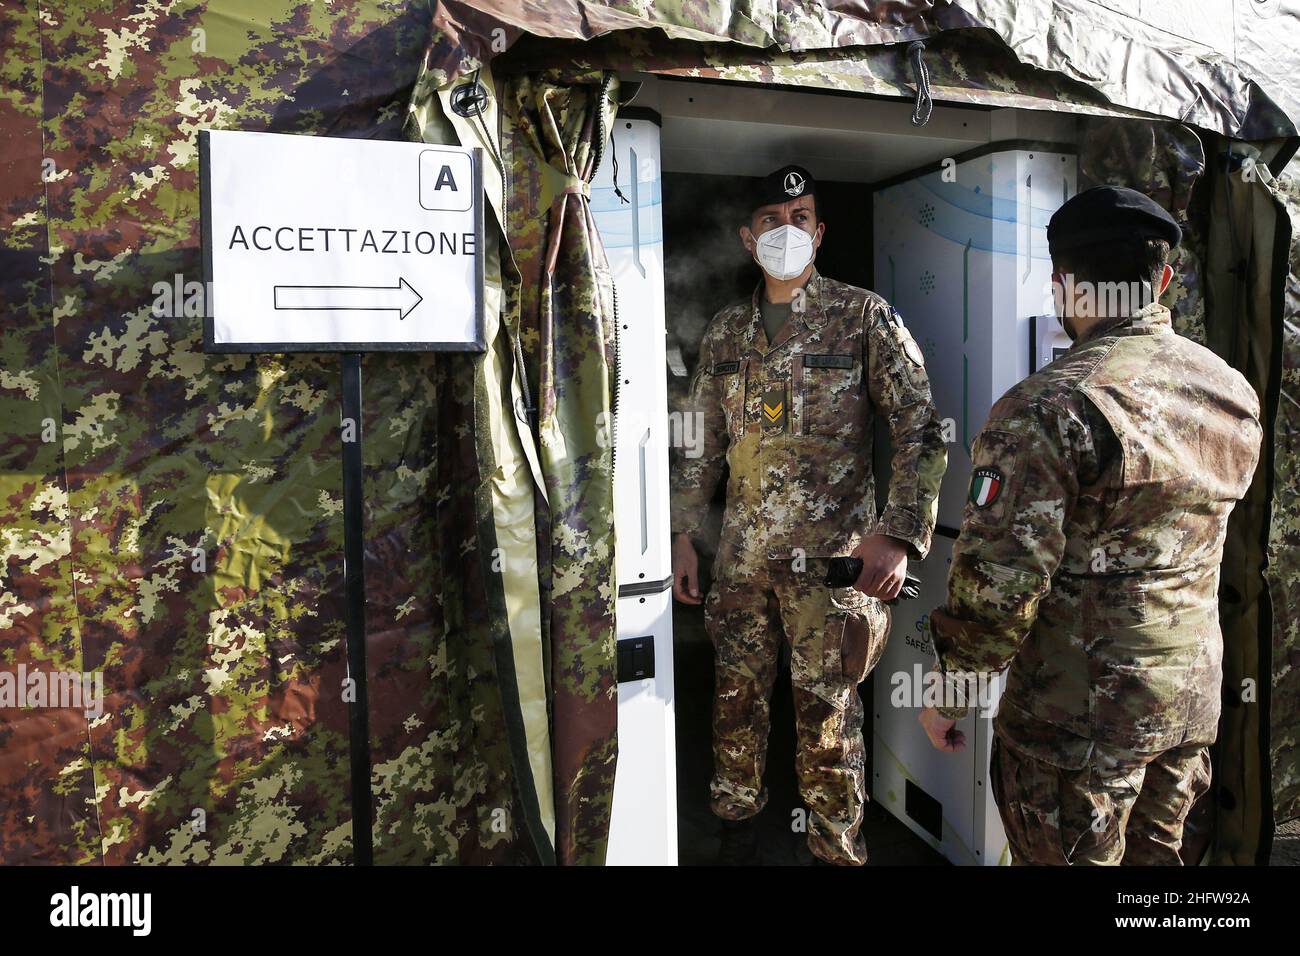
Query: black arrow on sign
[{"x": 401, "y": 298}]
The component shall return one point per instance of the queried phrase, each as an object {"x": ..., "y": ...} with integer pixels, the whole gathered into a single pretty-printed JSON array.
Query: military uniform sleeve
[
  {"x": 697, "y": 466},
  {"x": 1024, "y": 485},
  {"x": 900, "y": 391}
]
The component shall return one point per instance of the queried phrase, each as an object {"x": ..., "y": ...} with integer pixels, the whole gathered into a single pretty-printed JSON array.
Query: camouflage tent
[{"x": 172, "y": 519}]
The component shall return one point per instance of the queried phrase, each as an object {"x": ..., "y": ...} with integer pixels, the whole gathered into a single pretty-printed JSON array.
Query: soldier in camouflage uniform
[
  {"x": 789, "y": 406},
  {"x": 1089, "y": 558}
]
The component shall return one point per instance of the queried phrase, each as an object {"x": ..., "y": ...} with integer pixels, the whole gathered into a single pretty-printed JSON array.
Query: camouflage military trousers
[
  {"x": 1069, "y": 801},
  {"x": 835, "y": 637}
]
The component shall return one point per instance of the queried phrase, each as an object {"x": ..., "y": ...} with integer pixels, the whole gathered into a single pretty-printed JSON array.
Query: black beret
[
  {"x": 1106, "y": 214},
  {"x": 784, "y": 184}
]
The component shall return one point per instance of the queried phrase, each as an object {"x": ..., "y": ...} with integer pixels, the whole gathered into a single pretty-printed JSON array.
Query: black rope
[
  {"x": 605, "y": 84},
  {"x": 613, "y": 155},
  {"x": 921, "y": 112}
]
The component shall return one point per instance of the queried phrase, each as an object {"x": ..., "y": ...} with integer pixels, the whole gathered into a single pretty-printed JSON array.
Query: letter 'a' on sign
[
  {"x": 446, "y": 181},
  {"x": 321, "y": 244}
]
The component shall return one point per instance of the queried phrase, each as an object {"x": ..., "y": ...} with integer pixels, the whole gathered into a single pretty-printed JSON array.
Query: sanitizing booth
[{"x": 946, "y": 221}]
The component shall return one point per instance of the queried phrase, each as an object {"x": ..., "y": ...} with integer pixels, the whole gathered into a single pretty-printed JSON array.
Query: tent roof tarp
[{"x": 1142, "y": 63}]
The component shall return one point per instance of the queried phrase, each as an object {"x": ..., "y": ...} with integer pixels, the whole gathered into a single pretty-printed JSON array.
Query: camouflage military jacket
[
  {"x": 793, "y": 421},
  {"x": 1090, "y": 545}
]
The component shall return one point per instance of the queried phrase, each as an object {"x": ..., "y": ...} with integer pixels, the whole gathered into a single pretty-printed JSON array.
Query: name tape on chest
[{"x": 828, "y": 361}]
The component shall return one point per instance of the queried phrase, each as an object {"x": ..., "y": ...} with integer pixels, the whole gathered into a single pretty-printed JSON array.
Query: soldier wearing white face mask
[{"x": 788, "y": 384}]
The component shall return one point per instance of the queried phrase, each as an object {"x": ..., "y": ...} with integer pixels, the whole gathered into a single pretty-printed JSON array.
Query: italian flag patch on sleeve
[{"x": 985, "y": 484}]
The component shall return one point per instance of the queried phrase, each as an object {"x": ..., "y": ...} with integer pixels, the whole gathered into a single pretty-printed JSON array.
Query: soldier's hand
[
  {"x": 686, "y": 571},
  {"x": 884, "y": 566},
  {"x": 942, "y": 731}
]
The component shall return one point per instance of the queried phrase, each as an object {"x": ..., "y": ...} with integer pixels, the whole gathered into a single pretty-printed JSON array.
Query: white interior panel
[
  {"x": 643, "y": 830},
  {"x": 644, "y": 825},
  {"x": 737, "y": 129}
]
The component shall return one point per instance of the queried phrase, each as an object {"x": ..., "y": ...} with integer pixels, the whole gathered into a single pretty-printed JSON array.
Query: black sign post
[{"x": 354, "y": 584}]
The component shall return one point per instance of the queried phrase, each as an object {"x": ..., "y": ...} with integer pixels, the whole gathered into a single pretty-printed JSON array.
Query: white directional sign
[{"x": 317, "y": 244}]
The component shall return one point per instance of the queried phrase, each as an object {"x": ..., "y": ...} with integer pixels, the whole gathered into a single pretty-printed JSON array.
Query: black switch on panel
[{"x": 636, "y": 658}]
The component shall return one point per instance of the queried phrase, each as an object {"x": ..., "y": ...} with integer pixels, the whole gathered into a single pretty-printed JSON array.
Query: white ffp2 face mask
[{"x": 784, "y": 252}]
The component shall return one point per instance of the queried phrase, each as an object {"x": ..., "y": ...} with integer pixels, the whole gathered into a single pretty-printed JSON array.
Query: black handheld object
[{"x": 844, "y": 572}]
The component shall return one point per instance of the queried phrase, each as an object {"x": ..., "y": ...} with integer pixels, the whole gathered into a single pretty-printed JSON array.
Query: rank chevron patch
[{"x": 773, "y": 406}]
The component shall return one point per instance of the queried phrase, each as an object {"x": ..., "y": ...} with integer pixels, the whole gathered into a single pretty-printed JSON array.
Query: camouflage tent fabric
[
  {"x": 1133, "y": 66},
  {"x": 556, "y": 128},
  {"x": 552, "y": 351},
  {"x": 172, "y": 519}
]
